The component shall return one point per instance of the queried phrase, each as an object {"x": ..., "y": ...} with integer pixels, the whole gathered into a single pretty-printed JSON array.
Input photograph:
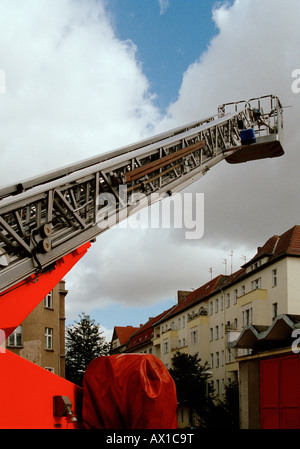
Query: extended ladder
[{"x": 47, "y": 217}]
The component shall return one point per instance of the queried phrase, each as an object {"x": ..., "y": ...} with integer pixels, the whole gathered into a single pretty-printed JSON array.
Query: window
[
  {"x": 165, "y": 347},
  {"x": 274, "y": 310},
  {"x": 256, "y": 284},
  {"x": 211, "y": 307},
  {"x": 48, "y": 301},
  {"x": 217, "y": 333},
  {"x": 194, "y": 337},
  {"x": 235, "y": 296},
  {"x": 179, "y": 323},
  {"x": 15, "y": 339},
  {"x": 229, "y": 356},
  {"x": 217, "y": 386},
  {"x": 211, "y": 360},
  {"x": 183, "y": 321},
  {"x": 221, "y": 303},
  {"x": 183, "y": 342},
  {"x": 217, "y": 359},
  {"x": 48, "y": 368},
  {"x": 211, "y": 334},
  {"x": 216, "y": 305},
  {"x": 222, "y": 358},
  {"x": 227, "y": 300},
  {"x": 274, "y": 278},
  {"x": 247, "y": 317},
  {"x": 243, "y": 290},
  {"x": 48, "y": 338},
  {"x": 222, "y": 330}
]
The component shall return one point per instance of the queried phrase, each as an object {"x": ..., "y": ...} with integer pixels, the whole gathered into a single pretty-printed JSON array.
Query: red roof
[
  {"x": 196, "y": 296},
  {"x": 287, "y": 244},
  {"x": 145, "y": 333},
  {"x": 124, "y": 333}
]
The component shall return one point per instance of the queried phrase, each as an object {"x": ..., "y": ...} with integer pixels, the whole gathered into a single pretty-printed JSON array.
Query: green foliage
[
  {"x": 230, "y": 406},
  {"x": 192, "y": 388},
  {"x": 194, "y": 392},
  {"x": 84, "y": 342}
]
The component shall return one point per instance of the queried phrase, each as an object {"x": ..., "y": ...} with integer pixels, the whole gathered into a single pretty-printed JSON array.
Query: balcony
[
  {"x": 156, "y": 340},
  {"x": 201, "y": 312},
  {"x": 169, "y": 333},
  {"x": 255, "y": 295},
  {"x": 181, "y": 349},
  {"x": 197, "y": 320}
]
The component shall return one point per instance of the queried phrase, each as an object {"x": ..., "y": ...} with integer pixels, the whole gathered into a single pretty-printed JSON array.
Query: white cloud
[
  {"x": 254, "y": 53},
  {"x": 164, "y": 5},
  {"x": 73, "y": 90},
  {"x": 68, "y": 78}
]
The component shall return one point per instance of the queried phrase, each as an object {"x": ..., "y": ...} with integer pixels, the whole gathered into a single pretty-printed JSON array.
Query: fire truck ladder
[
  {"x": 47, "y": 224},
  {"x": 47, "y": 217}
]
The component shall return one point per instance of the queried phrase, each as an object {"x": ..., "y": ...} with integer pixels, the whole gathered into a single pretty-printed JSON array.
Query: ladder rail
[
  {"x": 68, "y": 169},
  {"x": 56, "y": 214}
]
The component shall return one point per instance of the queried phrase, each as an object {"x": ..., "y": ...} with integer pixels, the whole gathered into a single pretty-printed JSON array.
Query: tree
[
  {"x": 84, "y": 342},
  {"x": 193, "y": 390},
  {"x": 230, "y": 405}
]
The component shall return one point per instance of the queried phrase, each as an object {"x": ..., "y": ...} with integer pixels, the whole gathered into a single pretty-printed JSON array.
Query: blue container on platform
[{"x": 247, "y": 136}]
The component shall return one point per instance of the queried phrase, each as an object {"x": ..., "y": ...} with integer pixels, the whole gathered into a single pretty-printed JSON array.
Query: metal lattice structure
[{"x": 46, "y": 217}]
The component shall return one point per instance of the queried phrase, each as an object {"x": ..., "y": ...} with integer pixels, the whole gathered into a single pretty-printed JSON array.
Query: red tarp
[{"x": 129, "y": 391}]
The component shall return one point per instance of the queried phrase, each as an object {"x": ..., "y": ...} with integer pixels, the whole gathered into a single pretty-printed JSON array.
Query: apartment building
[
  {"x": 216, "y": 313},
  {"x": 141, "y": 341},
  {"x": 207, "y": 320},
  {"x": 40, "y": 338}
]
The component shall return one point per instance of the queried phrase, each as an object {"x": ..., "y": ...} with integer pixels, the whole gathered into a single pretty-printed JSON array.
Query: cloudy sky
[{"x": 83, "y": 77}]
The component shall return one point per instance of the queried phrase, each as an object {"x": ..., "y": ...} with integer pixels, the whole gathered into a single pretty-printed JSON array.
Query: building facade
[
  {"x": 207, "y": 320},
  {"x": 40, "y": 338}
]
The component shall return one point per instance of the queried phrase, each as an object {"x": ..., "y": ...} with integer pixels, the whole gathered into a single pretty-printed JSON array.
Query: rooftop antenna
[
  {"x": 225, "y": 262},
  {"x": 211, "y": 272},
  {"x": 231, "y": 267},
  {"x": 244, "y": 258}
]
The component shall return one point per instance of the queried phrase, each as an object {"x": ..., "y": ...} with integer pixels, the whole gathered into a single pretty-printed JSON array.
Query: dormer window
[{"x": 256, "y": 284}]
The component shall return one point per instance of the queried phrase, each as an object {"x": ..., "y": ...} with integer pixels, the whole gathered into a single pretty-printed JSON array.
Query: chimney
[{"x": 181, "y": 295}]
